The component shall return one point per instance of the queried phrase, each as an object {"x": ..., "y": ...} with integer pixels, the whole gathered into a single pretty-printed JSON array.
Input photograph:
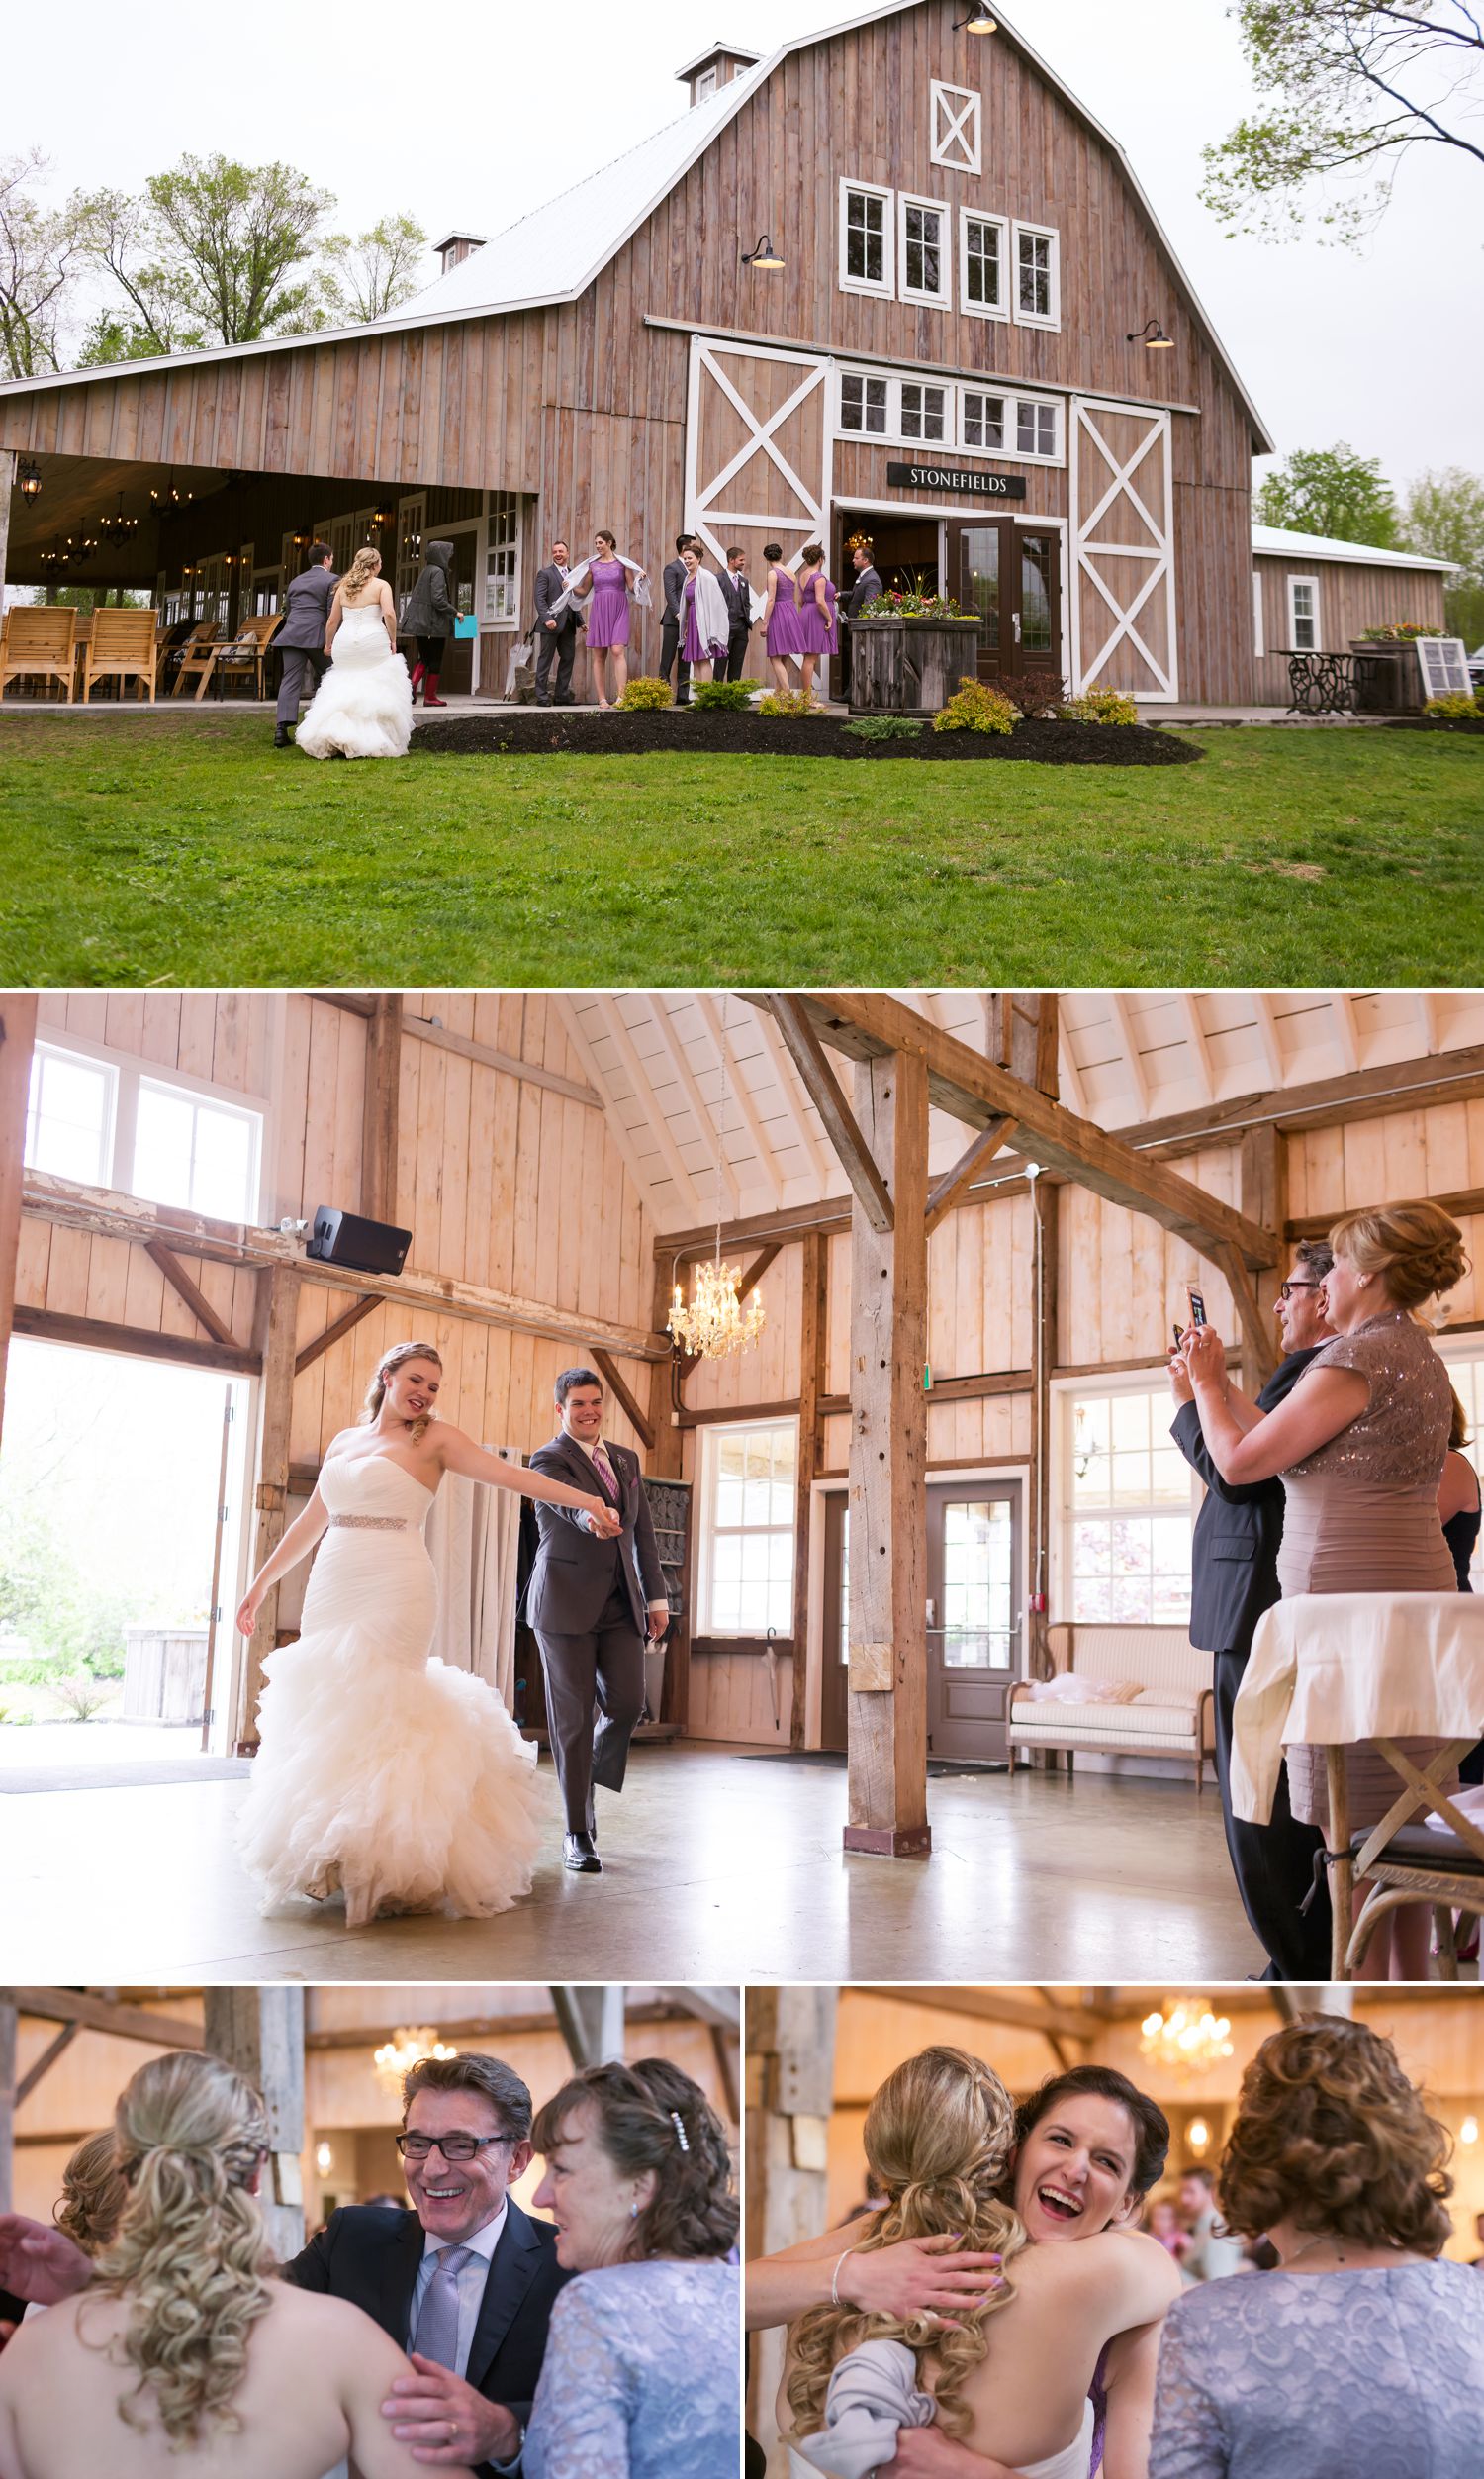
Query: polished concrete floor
[{"x": 717, "y": 1868}]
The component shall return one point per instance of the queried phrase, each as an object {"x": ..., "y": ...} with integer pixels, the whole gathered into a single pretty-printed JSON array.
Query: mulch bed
[
  {"x": 1439, "y": 722},
  {"x": 528, "y": 731}
]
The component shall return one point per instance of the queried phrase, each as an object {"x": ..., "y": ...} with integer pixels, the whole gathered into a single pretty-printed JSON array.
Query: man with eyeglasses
[
  {"x": 1234, "y": 1579},
  {"x": 466, "y": 2281}
]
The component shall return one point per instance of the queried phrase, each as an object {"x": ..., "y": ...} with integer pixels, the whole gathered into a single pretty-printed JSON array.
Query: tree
[
  {"x": 207, "y": 256},
  {"x": 39, "y": 250},
  {"x": 123, "y": 239},
  {"x": 1355, "y": 87},
  {"x": 376, "y": 272},
  {"x": 1443, "y": 516},
  {"x": 1330, "y": 491}
]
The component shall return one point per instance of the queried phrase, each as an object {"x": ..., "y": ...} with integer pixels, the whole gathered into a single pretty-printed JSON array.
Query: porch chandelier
[
  {"x": 119, "y": 524},
  {"x": 1187, "y": 2036},
  {"x": 716, "y": 1324},
  {"x": 397, "y": 2056}
]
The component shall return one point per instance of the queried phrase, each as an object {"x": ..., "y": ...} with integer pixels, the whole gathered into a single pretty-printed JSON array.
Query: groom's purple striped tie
[{"x": 437, "y": 2333}]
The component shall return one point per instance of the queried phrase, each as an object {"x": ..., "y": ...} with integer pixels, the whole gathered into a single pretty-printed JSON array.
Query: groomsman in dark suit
[
  {"x": 866, "y": 588},
  {"x": 299, "y": 638},
  {"x": 737, "y": 587},
  {"x": 1234, "y": 1580},
  {"x": 466, "y": 2281},
  {"x": 672, "y": 625},
  {"x": 593, "y": 1605},
  {"x": 555, "y": 631}
]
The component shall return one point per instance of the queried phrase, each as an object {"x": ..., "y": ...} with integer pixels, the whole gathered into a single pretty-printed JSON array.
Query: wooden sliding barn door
[
  {"x": 1122, "y": 587},
  {"x": 758, "y": 463}
]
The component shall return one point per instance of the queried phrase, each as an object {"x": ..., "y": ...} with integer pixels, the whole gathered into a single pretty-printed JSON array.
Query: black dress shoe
[
  {"x": 579, "y": 1855},
  {"x": 282, "y": 738}
]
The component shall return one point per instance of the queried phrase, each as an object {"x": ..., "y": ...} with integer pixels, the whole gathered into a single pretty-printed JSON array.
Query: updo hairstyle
[
  {"x": 376, "y": 1392},
  {"x": 651, "y": 2116},
  {"x": 1415, "y": 1249}
]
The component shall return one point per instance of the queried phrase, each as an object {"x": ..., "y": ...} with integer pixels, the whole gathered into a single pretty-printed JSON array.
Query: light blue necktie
[{"x": 437, "y": 2333}]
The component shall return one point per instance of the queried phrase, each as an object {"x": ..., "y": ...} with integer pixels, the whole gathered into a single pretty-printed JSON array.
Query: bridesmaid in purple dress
[
  {"x": 785, "y": 637},
  {"x": 706, "y": 616},
  {"x": 817, "y": 597},
  {"x": 607, "y": 619}
]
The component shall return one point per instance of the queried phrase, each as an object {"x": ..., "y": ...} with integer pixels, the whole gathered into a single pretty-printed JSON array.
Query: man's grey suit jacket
[
  {"x": 575, "y": 1571},
  {"x": 307, "y": 612}
]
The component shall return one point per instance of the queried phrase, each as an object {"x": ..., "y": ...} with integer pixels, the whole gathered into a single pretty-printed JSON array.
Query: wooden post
[
  {"x": 17, "y": 1041},
  {"x": 813, "y": 1344},
  {"x": 277, "y": 1336},
  {"x": 7, "y": 478},
  {"x": 1046, "y": 1272},
  {"x": 888, "y": 1705},
  {"x": 665, "y": 1462},
  {"x": 7, "y": 2095},
  {"x": 260, "y": 2032},
  {"x": 379, "y": 1107},
  {"x": 790, "y": 2094},
  {"x": 590, "y": 2022},
  {"x": 1263, "y": 1193}
]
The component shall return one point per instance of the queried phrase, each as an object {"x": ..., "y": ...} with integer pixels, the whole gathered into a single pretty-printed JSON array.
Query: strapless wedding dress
[
  {"x": 381, "y": 1774},
  {"x": 363, "y": 706}
]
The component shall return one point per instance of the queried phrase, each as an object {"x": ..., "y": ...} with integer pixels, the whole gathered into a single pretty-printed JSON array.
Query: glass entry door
[
  {"x": 1010, "y": 576},
  {"x": 974, "y": 1616}
]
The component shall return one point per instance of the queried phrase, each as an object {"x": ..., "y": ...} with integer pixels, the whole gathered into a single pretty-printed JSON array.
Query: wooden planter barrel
[
  {"x": 909, "y": 666},
  {"x": 1391, "y": 681}
]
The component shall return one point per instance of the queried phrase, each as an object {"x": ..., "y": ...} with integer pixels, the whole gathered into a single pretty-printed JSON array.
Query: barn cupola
[
  {"x": 716, "y": 66},
  {"x": 455, "y": 248}
]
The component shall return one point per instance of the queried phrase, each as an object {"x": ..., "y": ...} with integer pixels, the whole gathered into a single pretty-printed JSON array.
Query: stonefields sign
[{"x": 969, "y": 482}]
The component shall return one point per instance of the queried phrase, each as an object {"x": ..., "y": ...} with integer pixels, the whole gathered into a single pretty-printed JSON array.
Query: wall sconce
[
  {"x": 381, "y": 518},
  {"x": 765, "y": 256},
  {"x": 977, "y": 21},
  {"x": 1153, "y": 338},
  {"x": 325, "y": 2159},
  {"x": 31, "y": 479}
]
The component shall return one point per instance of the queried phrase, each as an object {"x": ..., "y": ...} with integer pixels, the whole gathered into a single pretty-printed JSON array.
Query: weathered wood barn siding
[{"x": 1352, "y": 599}]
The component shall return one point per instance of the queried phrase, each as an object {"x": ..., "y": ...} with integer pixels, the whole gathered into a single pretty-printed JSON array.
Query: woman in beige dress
[{"x": 1360, "y": 1445}]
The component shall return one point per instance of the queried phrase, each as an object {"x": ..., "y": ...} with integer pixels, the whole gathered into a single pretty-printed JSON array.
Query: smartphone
[
  {"x": 1197, "y": 1306},
  {"x": 1175, "y": 1330}
]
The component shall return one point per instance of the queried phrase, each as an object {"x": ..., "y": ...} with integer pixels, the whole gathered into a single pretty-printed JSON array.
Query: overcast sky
[{"x": 472, "y": 119}]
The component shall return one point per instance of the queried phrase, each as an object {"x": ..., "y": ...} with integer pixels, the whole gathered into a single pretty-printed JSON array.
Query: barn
[
  {"x": 891, "y": 279},
  {"x": 942, "y": 1469}
]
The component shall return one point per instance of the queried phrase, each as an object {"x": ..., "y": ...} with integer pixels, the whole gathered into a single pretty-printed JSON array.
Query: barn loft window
[
  {"x": 1128, "y": 1508},
  {"x": 983, "y": 421},
  {"x": 1303, "y": 614},
  {"x": 102, "y": 1118},
  {"x": 867, "y": 264},
  {"x": 69, "y": 1115},
  {"x": 1038, "y": 282},
  {"x": 924, "y": 251},
  {"x": 924, "y": 412},
  {"x": 195, "y": 1153},
  {"x": 983, "y": 249},
  {"x": 862, "y": 404},
  {"x": 957, "y": 112},
  {"x": 1037, "y": 428},
  {"x": 749, "y": 1479}
]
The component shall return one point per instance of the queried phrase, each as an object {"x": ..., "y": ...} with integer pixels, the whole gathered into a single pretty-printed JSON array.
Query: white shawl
[
  {"x": 579, "y": 575},
  {"x": 713, "y": 620}
]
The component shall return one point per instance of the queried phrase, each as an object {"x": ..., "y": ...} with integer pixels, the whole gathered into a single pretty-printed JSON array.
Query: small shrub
[
  {"x": 885, "y": 728},
  {"x": 1457, "y": 706},
  {"x": 1100, "y": 706},
  {"x": 788, "y": 702},
  {"x": 82, "y": 1694},
  {"x": 1038, "y": 696},
  {"x": 975, "y": 706},
  {"x": 643, "y": 696},
  {"x": 722, "y": 697}
]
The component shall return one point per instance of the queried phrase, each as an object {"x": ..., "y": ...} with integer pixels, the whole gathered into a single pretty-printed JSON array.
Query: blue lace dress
[
  {"x": 1329, "y": 2376},
  {"x": 642, "y": 2377}
]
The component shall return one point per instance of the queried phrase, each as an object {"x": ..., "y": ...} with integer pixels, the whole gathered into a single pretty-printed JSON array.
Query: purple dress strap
[{"x": 1097, "y": 2394}]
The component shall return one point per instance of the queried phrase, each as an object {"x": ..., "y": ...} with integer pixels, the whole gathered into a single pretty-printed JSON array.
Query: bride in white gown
[
  {"x": 381, "y": 1774},
  {"x": 363, "y": 706}
]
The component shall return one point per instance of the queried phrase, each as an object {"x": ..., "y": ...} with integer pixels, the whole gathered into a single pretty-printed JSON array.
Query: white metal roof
[
  {"x": 656, "y": 1058},
  {"x": 1279, "y": 542}
]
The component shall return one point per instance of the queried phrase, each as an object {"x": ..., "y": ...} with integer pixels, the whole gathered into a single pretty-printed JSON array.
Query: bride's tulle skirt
[
  {"x": 363, "y": 706},
  {"x": 381, "y": 1773}
]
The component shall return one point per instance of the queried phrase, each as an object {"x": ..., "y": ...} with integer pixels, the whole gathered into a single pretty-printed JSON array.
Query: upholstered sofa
[{"x": 1172, "y": 1713}]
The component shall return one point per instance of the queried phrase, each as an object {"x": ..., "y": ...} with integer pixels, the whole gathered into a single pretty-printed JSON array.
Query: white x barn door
[
  {"x": 757, "y": 451},
  {"x": 1123, "y": 581}
]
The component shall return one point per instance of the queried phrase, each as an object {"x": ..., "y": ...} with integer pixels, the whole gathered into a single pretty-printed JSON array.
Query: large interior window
[
  {"x": 195, "y": 1153},
  {"x": 69, "y": 1115},
  {"x": 749, "y": 1477},
  {"x": 109, "y": 1122},
  {"x": 1129, "y": 1502}
]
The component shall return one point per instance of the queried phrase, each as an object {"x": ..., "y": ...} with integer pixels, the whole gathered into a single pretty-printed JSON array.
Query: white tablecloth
[{"x": 1333, "y": 1668}]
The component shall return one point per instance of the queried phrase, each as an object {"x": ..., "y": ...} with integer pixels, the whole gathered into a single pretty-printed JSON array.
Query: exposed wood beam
[
  {"x": 277, "y": 1325},
  {"x": 1262, "y": 1192},
  {"x": 948, "y": 1192},
  {"x": 1343, "y": 1017},
  {"x": 1073, "y": 1091},
  {"x": 421, "y": 1028},
  {"x": 260, "y": 2032},
  {"x": 968, "y": 1389},
  {"x": 195, "y": 1298},
  {"x": 1046, "y": 1259},
  {"x": 1458, "y": 1201},
  {"x": 1128, "y": 1034},
  {"x": 868, "y": 1024},
  {"x": 724, "y": 2052},
  {"x": 619, "y": 1386},
  {"x": 1268, "y": 1034},
  {"x": 720, "y": 2007},
  {"x": 18, "y": 1015},
  {"x": 1259, "y": 1351},
  {"x": 996, "y": 2004},
  {"x": 689, "y": 1419},
  {"x": 1195, "y": 1040},
  {"x": 733, "y": 1080},
  {"x": 707, "y": 1123},
  {"x": 466, "y": 2030},
  {"x": 53, "y": 2049},
  {"x": 345, "y": 1323},
  {"x": 813, "y": 1346},
  {"x": 611, "y": 1016},
  {"x": 801, "y": 1041},
  {"x": 754, "y": 1274},
  {"x": 100, "y": 2014},
  {"x": 815, "y": 1154},
  {"x": 1425, "y": 1002},
  {"x": 52, "y": 1325},
  {"x": 380, "y": 1102}
]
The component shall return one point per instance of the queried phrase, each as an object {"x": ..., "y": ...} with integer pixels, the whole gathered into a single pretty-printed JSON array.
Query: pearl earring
[{"x": 633, "y": 2212}]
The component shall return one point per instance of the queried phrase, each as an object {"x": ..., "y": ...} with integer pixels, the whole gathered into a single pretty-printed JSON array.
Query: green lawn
[{"x": 140, "y": 850}]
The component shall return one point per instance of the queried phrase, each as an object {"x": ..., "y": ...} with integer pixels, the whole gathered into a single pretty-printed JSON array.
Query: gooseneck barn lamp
[
  {"x": 977, "y": 21},
  {"x": 764, "y": 256},
  {"x": 1153, "y": 338},
  {"x": 31, "y": 479}
]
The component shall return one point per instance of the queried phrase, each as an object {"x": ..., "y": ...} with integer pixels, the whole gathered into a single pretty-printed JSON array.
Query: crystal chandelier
[
  {"x": 1187, "y": 2036},
  {"x": 716, "y": 1324},
  {"x": 395, "y": 2057}
]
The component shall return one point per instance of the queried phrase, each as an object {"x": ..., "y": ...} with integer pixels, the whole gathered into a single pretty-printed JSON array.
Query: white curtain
[{"x": 472, "y": 1539}]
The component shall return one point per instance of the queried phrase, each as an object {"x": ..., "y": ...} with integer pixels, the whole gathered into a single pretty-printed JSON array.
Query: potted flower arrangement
[{"x": 910, "y": 650}]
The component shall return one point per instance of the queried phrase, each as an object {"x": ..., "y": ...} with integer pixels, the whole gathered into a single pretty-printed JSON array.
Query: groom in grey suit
[
  {"x": 593, "y": 1605},
  {"x": 301, "y": 639}
]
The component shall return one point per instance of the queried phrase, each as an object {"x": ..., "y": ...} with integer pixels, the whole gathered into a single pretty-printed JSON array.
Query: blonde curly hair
[
  {"x": 93, "y": 2194},
  {"x": 365, "y": 565},
  {"x": 939, "y": 2136},
  {"x": 190, "y": 2256},
  {"x": 1415, "y": 1248},
  {"x": 376, "y": 1392}
]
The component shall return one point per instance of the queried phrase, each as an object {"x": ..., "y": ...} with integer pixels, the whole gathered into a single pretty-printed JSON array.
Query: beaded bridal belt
[{"x": 372, "y": 1523}]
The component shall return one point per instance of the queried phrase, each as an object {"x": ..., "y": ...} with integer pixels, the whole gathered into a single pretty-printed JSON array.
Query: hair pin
[{"x": 679, "y": 2124}]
